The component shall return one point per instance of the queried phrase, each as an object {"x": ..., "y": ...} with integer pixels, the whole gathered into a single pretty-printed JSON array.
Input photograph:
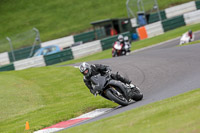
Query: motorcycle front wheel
[
  {"x": 114, "y": 53},
  {"x": 115, "y": 96}
]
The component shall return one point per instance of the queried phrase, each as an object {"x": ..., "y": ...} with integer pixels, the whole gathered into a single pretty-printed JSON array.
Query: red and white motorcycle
[{"x": 118, "y": 49}]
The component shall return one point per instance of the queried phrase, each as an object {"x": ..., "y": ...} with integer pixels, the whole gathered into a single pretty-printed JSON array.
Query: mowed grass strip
[
  {"x": 190, "y": 43},
  {"x": 179, "y": 114},
  {"x": 43, "y": 97},
  {"x": 138, "y": 44}
]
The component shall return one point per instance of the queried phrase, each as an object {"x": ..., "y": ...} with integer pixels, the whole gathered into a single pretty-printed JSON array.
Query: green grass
[
  {"x": 44, "y": 96},
  {"x": 179, "y": 114},
  {"x": 190, "y": 43},
  {"x": 139, "y": 44},
  {"x": 59, "y": 18}
]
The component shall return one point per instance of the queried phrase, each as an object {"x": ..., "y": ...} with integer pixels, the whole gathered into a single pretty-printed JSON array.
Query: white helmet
[
  {"x": 85, "y": 69},
  {"x": 126, "y": 39},
  {"x": 120, "y": 38}
]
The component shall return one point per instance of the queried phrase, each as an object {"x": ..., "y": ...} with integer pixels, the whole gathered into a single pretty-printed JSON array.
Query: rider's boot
[
  {"x": 131, "y": 90},
  {"x": 122, "y": 79},
  {"x": 130, "y": 93}
]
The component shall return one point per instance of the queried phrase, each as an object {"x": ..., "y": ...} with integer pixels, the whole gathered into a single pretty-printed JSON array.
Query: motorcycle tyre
[
  {"x": 112, "y": 97},
  {"x": 114, "y": 53}
]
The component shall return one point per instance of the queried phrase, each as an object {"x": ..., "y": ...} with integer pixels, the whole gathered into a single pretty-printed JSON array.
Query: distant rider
[
  {"x": 120, "y": 40},
  {"x": 127, "y": 44},
  {"x": 90, "y": 70},
  {"x": 190, "y": 34}
]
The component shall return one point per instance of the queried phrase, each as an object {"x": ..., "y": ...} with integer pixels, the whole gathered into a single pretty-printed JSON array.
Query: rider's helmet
[
  {"x": 126, "y": 39},
  {"x": 190, "y": 32},
  {"x": 85, "y": 69},
  {"x": 120, "y": 38}
]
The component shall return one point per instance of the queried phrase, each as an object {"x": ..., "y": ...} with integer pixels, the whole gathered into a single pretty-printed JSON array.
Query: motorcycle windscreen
[
  {"x": 98, "y": 81},
  {"x": 118, "y": 46}
]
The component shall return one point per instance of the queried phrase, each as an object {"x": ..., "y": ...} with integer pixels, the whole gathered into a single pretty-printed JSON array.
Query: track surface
[{"x": 161, "y": 72}]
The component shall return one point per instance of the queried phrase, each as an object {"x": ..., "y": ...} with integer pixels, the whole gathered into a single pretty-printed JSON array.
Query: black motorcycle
[{"x": 114, "y": 90}]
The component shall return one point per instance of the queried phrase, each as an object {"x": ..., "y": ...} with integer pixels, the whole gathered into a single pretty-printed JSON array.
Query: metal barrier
[
  {"x": 4, "y": 58},
  {"x": 61, "y": 42},
  {"x": 37, "y": 61},
  {"x": 154, "y": 29},
  {"x": 58, "y": 57},
  {"x": 85, "y": 37},
  {"x": 173, "y": 23},
  {"x": 8, "y": 67},
  {"x": 192, "y": 17},
  {"x": 86, "y": 49},
  {"x": 180, "y": 9}
]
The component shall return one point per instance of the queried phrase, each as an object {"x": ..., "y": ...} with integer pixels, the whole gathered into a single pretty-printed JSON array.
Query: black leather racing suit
[{"x": 101, "y": 69}]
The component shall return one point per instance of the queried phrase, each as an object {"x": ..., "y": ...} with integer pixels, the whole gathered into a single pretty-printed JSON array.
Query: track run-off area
[{"x": 160, "y": 71}]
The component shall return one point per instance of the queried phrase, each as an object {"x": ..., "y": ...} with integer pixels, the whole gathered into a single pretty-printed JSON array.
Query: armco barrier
[
  {"x": 197, "y": 4},
  {"x": 154, "y": 29},
  {"x": 61, "y": 42},
  {"x": 154, "y": 17},
  {"x": 107, "y": 43},
  {"x": 22, "y": 53},
  {"x": 8, "y": 67},
  {"x": 84, "y": 37},
  {"x": 86, "y": 49},
  {"x": 192, "y": 17},
  {"x": 37, "y": 61},
  {"x": 180, "y": 9},
  {"x": 4, "y": 58},
  {"x": 58, "y": 57},
  {"x": 173, "y": 23}
]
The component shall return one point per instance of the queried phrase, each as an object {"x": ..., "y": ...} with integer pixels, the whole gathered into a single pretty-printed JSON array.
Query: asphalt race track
[{"x": 160, "y": 72}]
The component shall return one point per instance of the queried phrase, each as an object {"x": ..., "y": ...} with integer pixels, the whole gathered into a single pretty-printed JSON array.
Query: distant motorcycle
[
  {"x": 113, "y": 90},
  {"x": 186, "y": 39},
  {"x": 118, "y": 49}
]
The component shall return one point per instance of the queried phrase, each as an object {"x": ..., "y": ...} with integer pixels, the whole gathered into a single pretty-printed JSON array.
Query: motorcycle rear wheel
[{"x": 114, "y": 97}]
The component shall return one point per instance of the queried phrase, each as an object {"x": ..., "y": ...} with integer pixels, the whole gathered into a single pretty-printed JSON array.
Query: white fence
[
  {"x": 180, "y": 9},
  {"x": 4, "y": 58},
  {"x": 154, "y": 29},
  {"x": 192, "y": 17},
  {"x": 61, "y": 42},
  {"x": 86, "y": 49},
  {"x": 37, "y": 61}
]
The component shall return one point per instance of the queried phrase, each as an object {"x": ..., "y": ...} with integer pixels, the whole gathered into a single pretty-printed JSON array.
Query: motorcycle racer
[
  {"x": 127, "y": 44},
  {"x": 90, "y": 70}
]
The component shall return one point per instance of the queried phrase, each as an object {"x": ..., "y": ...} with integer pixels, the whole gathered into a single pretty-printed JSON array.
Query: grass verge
[
  {"x": 139, "y": 44},
  {"x": 190, "y": 43},
  {"x": 44, "y": 96},
  {"x": 179, "y": 114}
]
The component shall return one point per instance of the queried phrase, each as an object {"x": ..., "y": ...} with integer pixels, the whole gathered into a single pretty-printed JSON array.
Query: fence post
[
  {"x": 37, "y": 38},
  {"x": 11, "y": 47}
]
